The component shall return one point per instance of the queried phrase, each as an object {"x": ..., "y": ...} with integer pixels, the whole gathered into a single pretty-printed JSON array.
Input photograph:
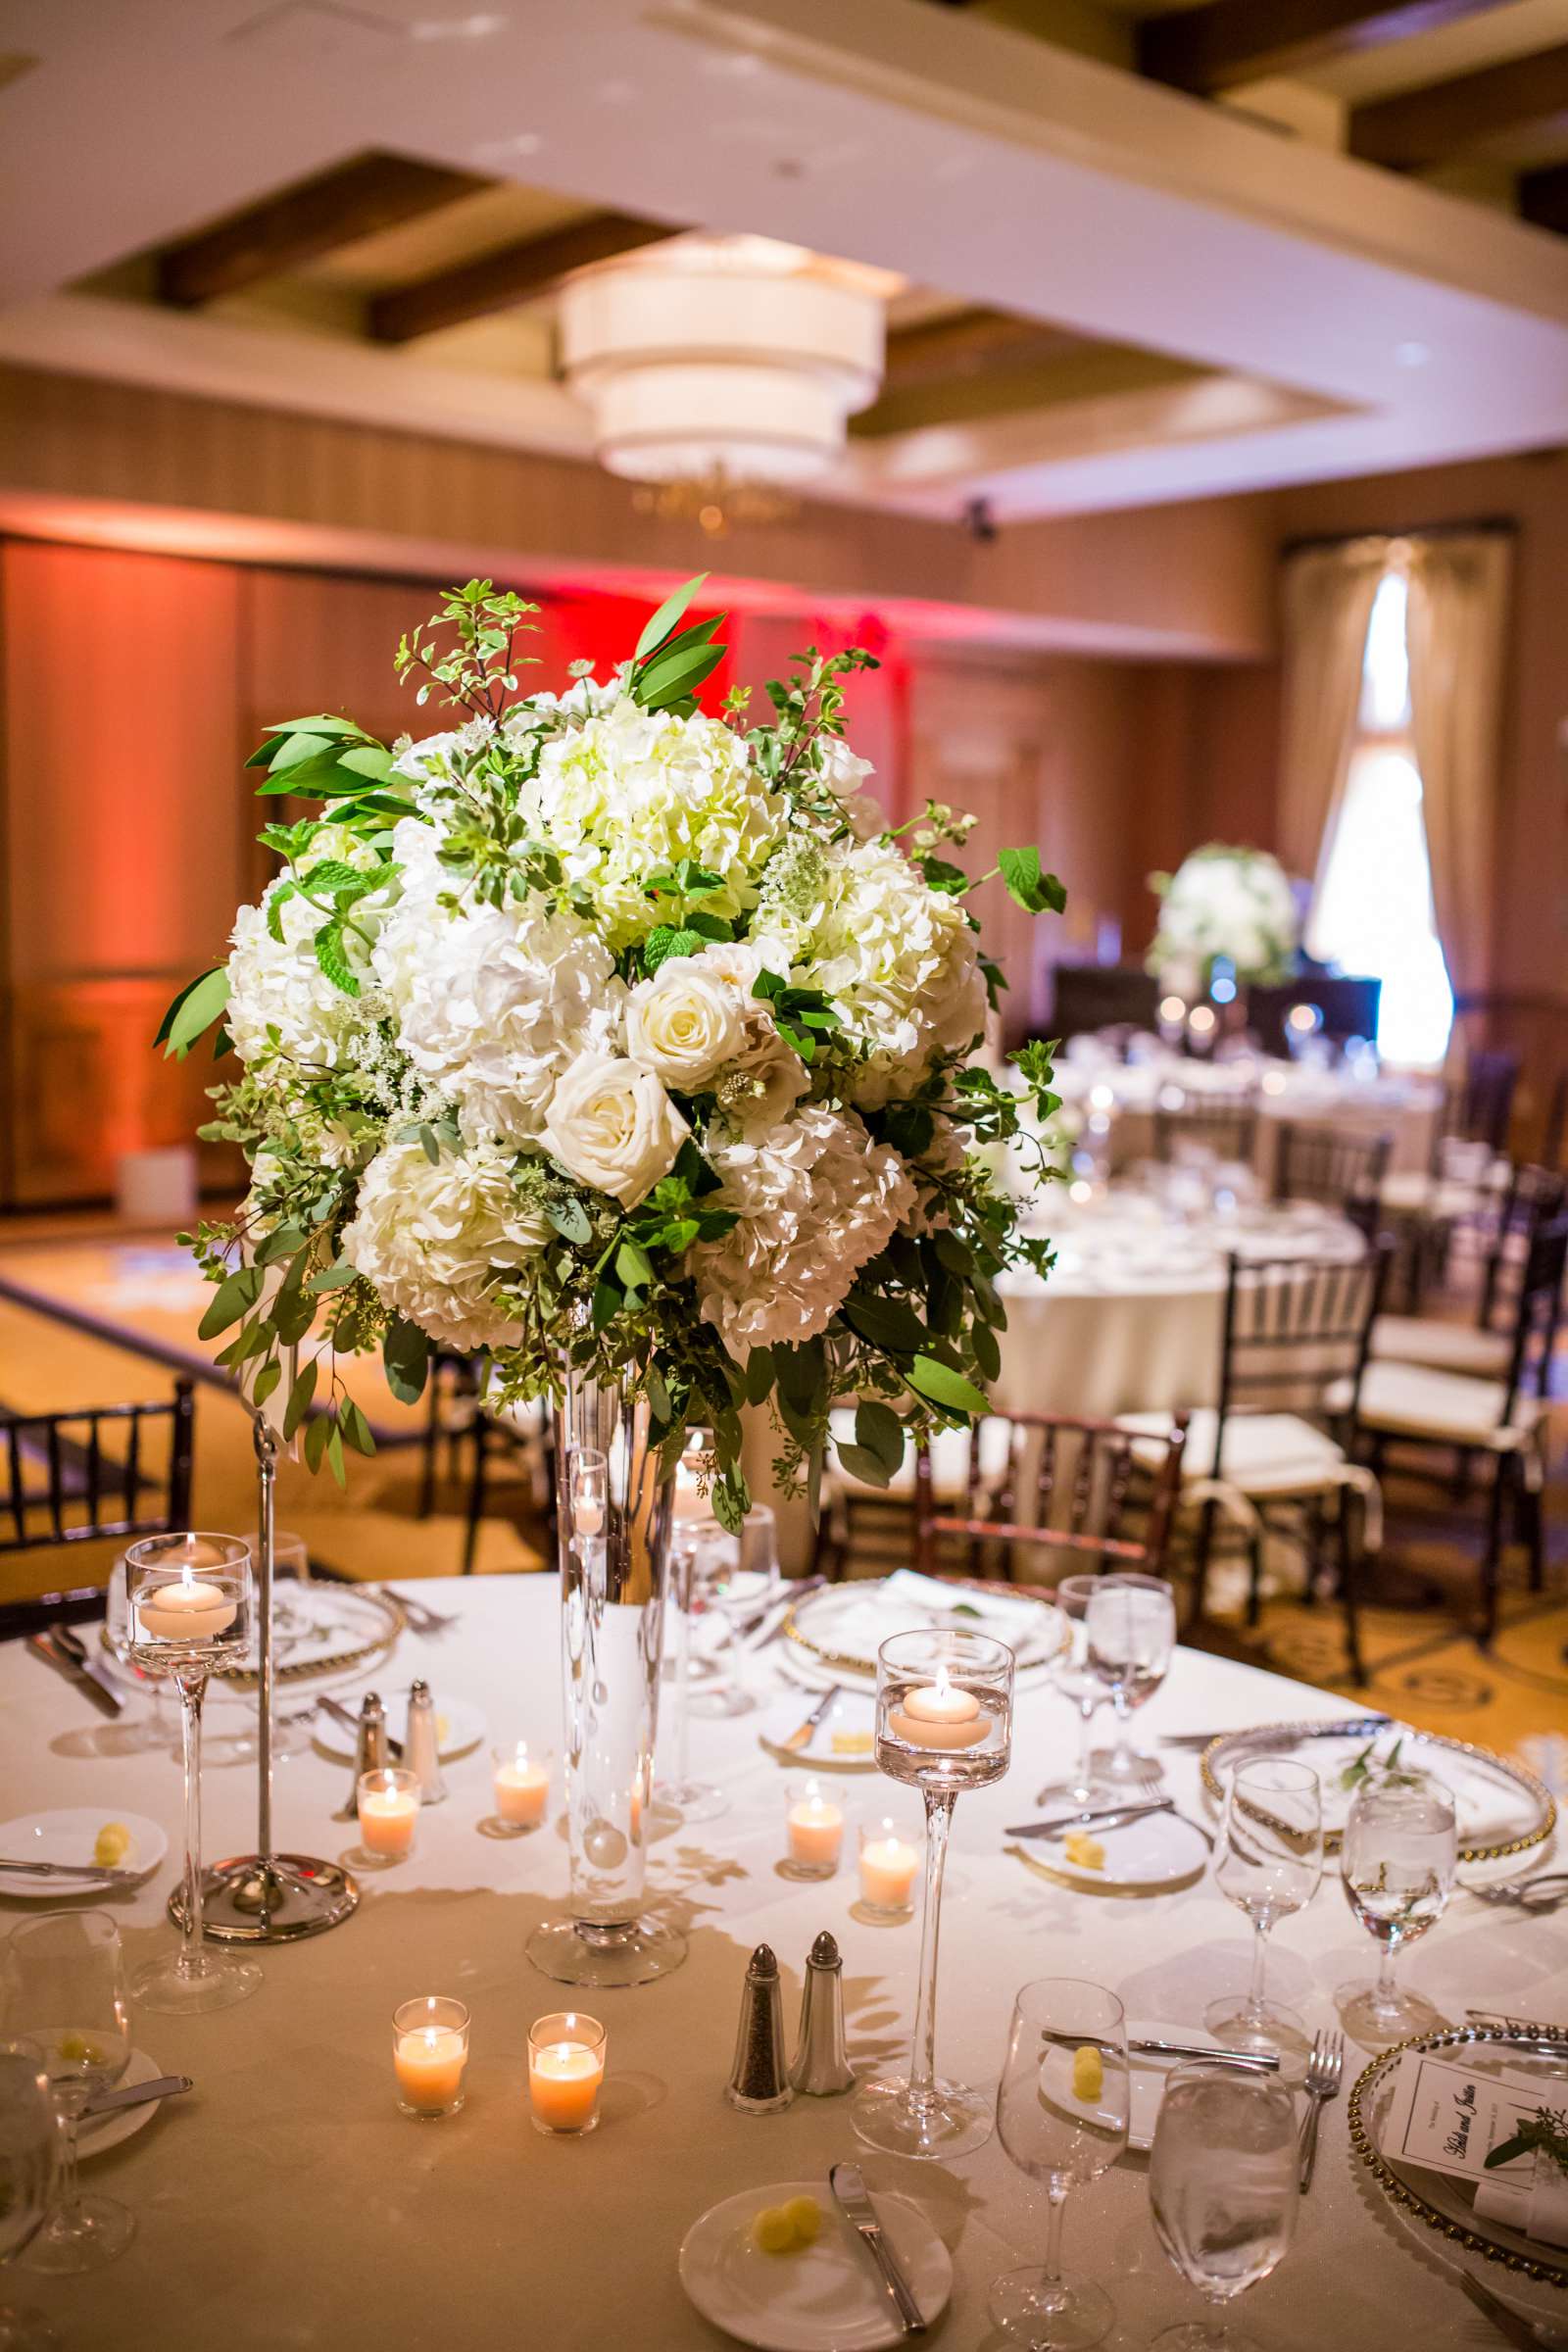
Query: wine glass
[
  {"x": 944, "y": 1722},
  {"x": 1074, "y": 1674},
  {"x": 1223, "y": 2187},
  {"x": 1397, "y": 1863},
  {"x": 189, "y": 1603},
  {"x": 29, "y": 2137},
  {"x": 693, "y": 1561},
  {"x": 1268, "y": 1862},
  {"x": 1063, "y": 2112},
  {"x": 65, "y": 1996},
  {"x": 1130, "y": 1629}
]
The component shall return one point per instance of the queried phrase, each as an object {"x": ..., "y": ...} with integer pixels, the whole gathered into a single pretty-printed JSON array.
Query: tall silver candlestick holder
[{"x": 269, "y": 1897}]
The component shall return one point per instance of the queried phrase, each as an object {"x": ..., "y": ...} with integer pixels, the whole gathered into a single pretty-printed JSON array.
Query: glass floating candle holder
[
  {"x": 522, "y": 1785},
  {"x": 566, "y": 2071},
  {"x": 813, "y": 1832},
  {"x": 891, "y": 1853},
  {"x": 430, "y": 2051},
  {"x": 389, "y": 1809}
]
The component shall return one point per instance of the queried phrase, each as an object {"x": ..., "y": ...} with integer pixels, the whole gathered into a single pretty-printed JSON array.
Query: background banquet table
[{"x": 286, "y": 2203}]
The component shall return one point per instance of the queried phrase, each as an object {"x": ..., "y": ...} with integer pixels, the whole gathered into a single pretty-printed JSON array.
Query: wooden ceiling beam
[
  {"x": 1215, "y": 48},
  {"x": 970, "y": 343},
  {"x": 501, "y": 280},
  {"x": 1544, "y": 198},
  {"x": 1453, "y": 118},
  {"x": 353, "y": 200}
]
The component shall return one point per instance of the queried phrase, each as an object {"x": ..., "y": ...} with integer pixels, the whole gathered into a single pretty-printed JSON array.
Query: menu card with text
[{"x": 1447, "y": 2117}]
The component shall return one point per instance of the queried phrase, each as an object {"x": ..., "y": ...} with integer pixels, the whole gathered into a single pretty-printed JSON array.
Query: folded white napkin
[
  {"x": 1010, "y": 1619},
  {"x": 1536, "y": 2208}
]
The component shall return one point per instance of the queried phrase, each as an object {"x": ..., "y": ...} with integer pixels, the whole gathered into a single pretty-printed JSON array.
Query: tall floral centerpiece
[
  {"x": 624, "y": 1043},
  {"x": 1223, "y": 902}
]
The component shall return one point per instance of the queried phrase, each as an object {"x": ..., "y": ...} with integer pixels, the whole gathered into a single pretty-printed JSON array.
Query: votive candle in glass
[
  {"x": 890, "y": 1863},
  {"x": 813, "y": 1832},
  {"x": 430, "y": 2051},
  {"x": 566, "y": 2069},
  {"x": 389, "y": 1807},
  {"x": 522, "y": 1785}
]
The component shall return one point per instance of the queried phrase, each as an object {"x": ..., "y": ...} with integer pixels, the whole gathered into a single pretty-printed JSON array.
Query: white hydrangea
[
  {"x": 629, "y": 793},
  {"x": 764, "y": 1076},
  {"x": 897, "y": 959},
  {"x": 436, "y": 1240},
  {"x": 816, "y": 1198},
  {"x": 491, "y": 1007},
  {"x": 280, "y": 985},
  {"x": 1224, "y": 902},
  {"x": 843, "y": 772},
  {"x": 419, "y": 761}
]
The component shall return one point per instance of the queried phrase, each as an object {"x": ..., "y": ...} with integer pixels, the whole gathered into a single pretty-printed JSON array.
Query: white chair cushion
[
  {"x": 949, "y": 1450},
  {"x": 1266, "y": 1453},
  {"x": 1416, "y": 1401},
  {"x": 1444, "y": 1346}
]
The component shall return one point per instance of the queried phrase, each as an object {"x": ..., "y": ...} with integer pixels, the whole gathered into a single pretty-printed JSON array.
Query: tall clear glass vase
[{"x": 614, "y": 1528}]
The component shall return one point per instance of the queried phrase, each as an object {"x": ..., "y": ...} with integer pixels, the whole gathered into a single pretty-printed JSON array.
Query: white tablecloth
[
  {"x": 286, "y": 2204},
  {"x": 1402, "y": 1107}
]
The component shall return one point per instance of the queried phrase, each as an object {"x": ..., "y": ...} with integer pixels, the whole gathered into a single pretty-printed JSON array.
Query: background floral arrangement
[
  {"x": 1221, "y": 900},
  {"x": 603, "y": 1031}
]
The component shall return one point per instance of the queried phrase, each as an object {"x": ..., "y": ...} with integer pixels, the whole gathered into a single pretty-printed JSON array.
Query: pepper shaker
[
  {"x": 369, "y": 1750},
  {"x": 757, "y": 2082}
]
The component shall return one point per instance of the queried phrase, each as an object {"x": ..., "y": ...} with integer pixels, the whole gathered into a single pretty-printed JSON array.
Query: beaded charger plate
[
  {"x": 320, "y": 1630},
  {"x": 1430, "y": 2200},
  {"x": 843, "y": 1627},
  {"x": 1501, "y": 1808}
]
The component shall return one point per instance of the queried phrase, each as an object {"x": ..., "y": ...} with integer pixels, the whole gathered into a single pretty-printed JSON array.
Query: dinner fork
[
  {"x": 420, "y": 1614},
  {"x": 1324, "y": 2071}
]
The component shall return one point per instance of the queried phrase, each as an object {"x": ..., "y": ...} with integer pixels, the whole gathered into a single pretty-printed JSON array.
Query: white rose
[
  {"x": 611, "y": 1125},
  {"x": 684, "y": 1023}
]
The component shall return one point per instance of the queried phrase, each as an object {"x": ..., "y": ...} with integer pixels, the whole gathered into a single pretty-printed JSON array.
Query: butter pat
[
  {"x": 1088, "y": 2075},
  {"x": 1082, "y": 1851},
  {"x": 787, "y": 2229},
  {"x": 851, "y": 1744},
  {"x": 111, "y": 1844}
]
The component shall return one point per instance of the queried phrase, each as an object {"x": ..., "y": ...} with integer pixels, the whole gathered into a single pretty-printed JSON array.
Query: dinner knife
[
  {"x": 1507, "y": 2322},
  {"x": 70, "y": 1644},
  {"x": 1259, "y": 2062},
  {"x": 104, "y": 1697},
  {"x": 1063, "y": 1825},
  {"x": 350, "y": 1723},
  {"x": 94, "y": 1874},
  {"x": 849, "y": 2189},
  {"x": 137, "y": 2094}
]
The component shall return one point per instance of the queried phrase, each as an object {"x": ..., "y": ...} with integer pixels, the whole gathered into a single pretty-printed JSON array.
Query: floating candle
[
  {"x": 939, "y": 1714},
  {"x": 189, "y": 1611},
  {"x": 566, "y": 2069}
]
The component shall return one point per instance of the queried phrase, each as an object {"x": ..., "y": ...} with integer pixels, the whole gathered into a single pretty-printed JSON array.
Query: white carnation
[
  {"x": 491, "y": 1007},
  {"x": 898, "y": 958},
  {"x": 629, "y": 793},
  {"x": 436, "y": 1241},
  {"x": 280, "y": 985},
  {"x": 816, "y": 1198},
  {"x": 612, "y": 1126},
  {"x": 685, "y": 1023}
]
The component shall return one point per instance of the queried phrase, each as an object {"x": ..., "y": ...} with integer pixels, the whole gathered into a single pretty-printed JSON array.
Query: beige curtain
[
  {"x": 1328, "y": 595},
  {"x": 1455, "y": 631}
]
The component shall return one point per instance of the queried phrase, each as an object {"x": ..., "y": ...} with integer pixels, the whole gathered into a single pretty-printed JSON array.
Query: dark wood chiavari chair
[
  {"x": 1224, "y": 1124},
  {"x": 1087, "y": 1482},
  {"x": 100, "y": 1473},
  {"x": 1323, "y": 1163}
]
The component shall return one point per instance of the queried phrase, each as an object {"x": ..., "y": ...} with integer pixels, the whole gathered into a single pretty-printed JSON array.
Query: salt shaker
[
  {"x": 821, "y": 2065},
  {"x": 757, "y": 2082},
  {"x": 422, "y": 1745}
]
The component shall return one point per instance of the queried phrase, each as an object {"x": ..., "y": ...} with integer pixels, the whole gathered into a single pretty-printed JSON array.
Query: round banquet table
[{"x": 286, "y": 2203}]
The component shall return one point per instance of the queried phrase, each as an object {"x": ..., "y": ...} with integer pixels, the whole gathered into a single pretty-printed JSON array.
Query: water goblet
[
  {"x": 64, "y": 1997},
  {"x": 1397, "y": 1866},
  {"x": 693, "y": 1562},
  {"x": 1063, "y": 2112},
  {"x": 29, "y": 2134},
  {"x": 1130, "y": 1629},
  {"x": 1222, "y": 2187},
  {"x": 943, "y": 1723},
  {"x": 190, "y": 1608},
  {"x": 1268, "y": 1862}
]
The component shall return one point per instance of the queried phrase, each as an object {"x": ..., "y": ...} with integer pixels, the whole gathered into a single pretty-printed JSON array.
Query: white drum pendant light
[{"x": 727, "y": 357}]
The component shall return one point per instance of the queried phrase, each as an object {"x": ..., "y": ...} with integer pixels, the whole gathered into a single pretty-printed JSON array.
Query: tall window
[{"x": 1372, "y": 909}]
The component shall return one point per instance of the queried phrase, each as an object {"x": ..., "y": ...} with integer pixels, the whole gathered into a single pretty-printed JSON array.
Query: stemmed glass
[
  {"x": 1268, "y": 1862},
  {"x": 65, "y": 1996},
  {"x": 1222, "y": 2186},
  {"x": 693, "y": 1563},
  {"x": 29, "y": 2134},
  {"x": 1397, "y": 1863},
  {"x": 1130, "y": 1628},
  {"x": 943, "y": 1723},
  {"x": 1077, "y": 1679},
  {"x": 1063, "y": 2112},
  {"x": 190, "y": 1610}
]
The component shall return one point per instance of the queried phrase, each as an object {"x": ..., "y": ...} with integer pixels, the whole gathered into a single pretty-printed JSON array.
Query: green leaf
[
  {"x": 194, "y": 1010},
  {"x": 336, "y": 1277},
  {"x": 880, "y": 1432},
  {"x": 759, "y": 1375},
  {"x": 334, "y": 1454},
  {"x": 1035, "y": 892},
  {"x": 571, "y": 1220},
  {"x": 406, "y": 1357},
  {"x": 862, "y": 1463},
  {"x": 283, "y": 1242},
  {"x": 329, "y": 955},
  {"x": 235, "y": 1295},
  {"x": 355, "y": 1428},
  {"x": 298, "y": 1399},
  {"x": 669, "y": 613},
  {"x": 370, "y": 760},
  {"x": 945, "y": 1386},
  {"x": 633, "y": 1266},
  {"x": 316, "y": 1432},
  {"x": 606, "y": 1304},
  {"x": 658, "y": 1394},
  {"x": 987, "y": 1351},
  {"x": 334, "y": 873},
  {"x": 885, "y": 1323},
  {"x": 266, "y": 1381},
  {"x": 662, "y": 943},
  {"x": 674, "y": 675}
]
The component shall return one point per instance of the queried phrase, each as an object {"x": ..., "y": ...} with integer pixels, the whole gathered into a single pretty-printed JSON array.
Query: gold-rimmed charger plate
[
  {"x": 1443, "y": 2205},
  {"x": 319, "y": 1630},
  {"x": 1054, "y": 1630},
  {"x": 1479, "y": 1779}
]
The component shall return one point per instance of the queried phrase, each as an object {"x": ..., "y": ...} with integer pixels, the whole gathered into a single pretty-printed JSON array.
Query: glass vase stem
[
  {"x": 939, "y": 1804},
  {"x": 192, "y": 1690}
]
